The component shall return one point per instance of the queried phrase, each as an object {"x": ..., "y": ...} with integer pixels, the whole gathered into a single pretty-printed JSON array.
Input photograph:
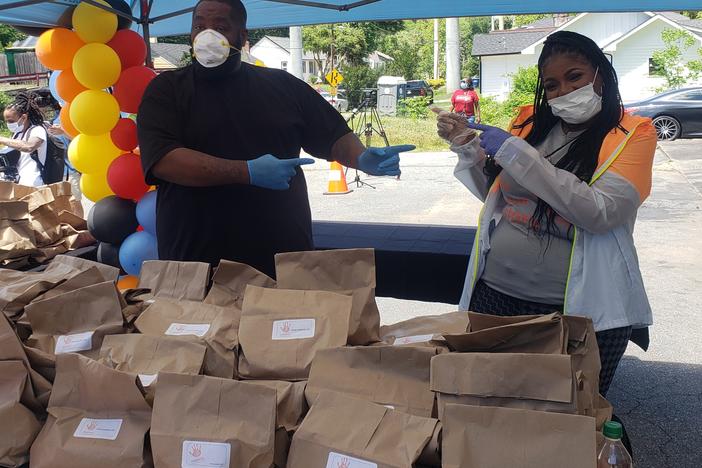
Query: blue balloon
[
  {"x": 146, "y": 212},
  {"x": 135, "y": 250},
  {"x": 52, "y": 87}
]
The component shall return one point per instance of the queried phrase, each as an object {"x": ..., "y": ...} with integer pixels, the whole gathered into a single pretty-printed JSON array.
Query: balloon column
[{"x": 99, "y": 79}]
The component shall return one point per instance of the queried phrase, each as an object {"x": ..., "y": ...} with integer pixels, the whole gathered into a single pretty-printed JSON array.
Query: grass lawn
[{"x": 402, "y": 130}]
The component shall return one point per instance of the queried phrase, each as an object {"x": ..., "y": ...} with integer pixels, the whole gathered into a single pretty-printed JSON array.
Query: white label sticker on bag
[
  {"x": 147, "y": 379},
  {"x": 209, "y": 454},
  {"x": 297, "y": 329},
  {"x": 412, "y": 339},
  {"x": 107, "y": 429},
  {"x": 74, "y": 343},
  {"x": 181, "y": 329},
  {"x": 337, "y": 460}
]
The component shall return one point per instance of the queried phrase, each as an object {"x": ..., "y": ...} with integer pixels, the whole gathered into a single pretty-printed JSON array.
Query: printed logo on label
[
  {"x": 107, "y": 429},
  {"x": 412, "y": 339},
  {"x": 74, "y": 343},
  {"x": 209, "y": 454},
  {"x": 182, "y": 329},
  {"x": 293, "y": 329},
  {"x": 337, "y": 460},
  {"x": 147, "y": 379}
]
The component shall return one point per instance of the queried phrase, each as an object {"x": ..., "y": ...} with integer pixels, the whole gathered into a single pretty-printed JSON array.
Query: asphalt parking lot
[{"x": 658, "y": 394}]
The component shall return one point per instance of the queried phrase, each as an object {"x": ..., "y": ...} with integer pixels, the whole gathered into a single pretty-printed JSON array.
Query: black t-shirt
[{"x": 243, "y": 115}]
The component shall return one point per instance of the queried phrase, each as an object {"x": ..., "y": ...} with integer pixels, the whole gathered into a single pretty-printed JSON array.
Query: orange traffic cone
[{"x": 337, "y": 180}]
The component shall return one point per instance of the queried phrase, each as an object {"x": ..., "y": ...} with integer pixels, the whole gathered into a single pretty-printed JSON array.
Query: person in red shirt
[{"x": 465, "y": 101}]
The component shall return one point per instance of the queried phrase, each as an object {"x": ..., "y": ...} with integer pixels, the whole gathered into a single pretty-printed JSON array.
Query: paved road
[{"x": 658, "y": 394}]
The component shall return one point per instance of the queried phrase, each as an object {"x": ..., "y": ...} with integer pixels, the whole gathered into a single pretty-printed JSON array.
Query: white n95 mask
[
  {"x": 14, "y": 127},
  {"x": 578, "y": 106},
  {"x": 211, "y": 49}
]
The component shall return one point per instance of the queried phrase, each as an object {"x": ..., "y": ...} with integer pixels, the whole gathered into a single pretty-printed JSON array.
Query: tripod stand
[{"x": 365, "y": 121}]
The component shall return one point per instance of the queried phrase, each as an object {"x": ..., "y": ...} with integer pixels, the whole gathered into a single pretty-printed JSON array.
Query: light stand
[{"x": 365, "y": 121}]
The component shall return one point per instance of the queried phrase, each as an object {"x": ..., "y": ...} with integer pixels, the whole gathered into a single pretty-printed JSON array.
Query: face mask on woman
[
  {"x": 464, "y": 85},
  {"x": 211, "y": 49},
  {"x": 15, "y": 127},
  {"x": 578, "y": 106}
]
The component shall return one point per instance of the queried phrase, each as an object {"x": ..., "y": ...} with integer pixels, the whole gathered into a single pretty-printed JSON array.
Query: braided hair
[
  {"x": 581, "y": 158},
  {"x": 28, "y": 103}
]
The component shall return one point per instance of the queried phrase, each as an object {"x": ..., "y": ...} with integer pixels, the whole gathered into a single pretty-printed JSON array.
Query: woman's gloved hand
[
  {"x": 492, "y": 138},
  {"x": 382, "y": 161},
  {"x": 272, "y": 173},
  {"x": 453, "y": 127}
]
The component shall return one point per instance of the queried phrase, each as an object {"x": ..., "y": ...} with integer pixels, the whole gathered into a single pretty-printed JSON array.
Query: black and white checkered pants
[{"x": 612, "y": 343}]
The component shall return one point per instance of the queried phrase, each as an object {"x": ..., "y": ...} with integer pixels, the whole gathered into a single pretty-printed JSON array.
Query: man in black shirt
[{"x": 221, "y": 139}]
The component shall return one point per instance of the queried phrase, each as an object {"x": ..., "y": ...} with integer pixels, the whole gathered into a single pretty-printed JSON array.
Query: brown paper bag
[
  {"x": 207, "y": 421},
  {"x": 426, "y": 330},
  {"x": 349, "y": 272},
  {"x": 396, "y": 377},
  {"x": 43, "y": 363},
  {"x": 77, "y": 321},
  {"x": 486, "y": 437},
  {"x": 146, "y": 356},
  {"x": 543, "y": 382},
  {"x": 17, "y": 288},
  {"x": 20, "y": 426},
  {"x": 108, "y": 272},
  {"x": 97, "y": 417},
  {"x": 37, "y": 394},
  {"x": 347, "y": 432},
  {"x": 17, "y": 238},
  {"x": 281, "y": 330},
  {"x": 215, "y": 326},
  {"x": 229, "y": 283},
  {"x": 175, "y": 280},
  {"x": 582, "y": 346},
  {"x": 64, "y": 201},
  {"x": 43, "y": 217},
  {"x": 543, "y": 334}
]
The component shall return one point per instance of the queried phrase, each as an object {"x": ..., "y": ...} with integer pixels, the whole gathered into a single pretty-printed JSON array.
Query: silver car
[{"x": 338, "y": 102}]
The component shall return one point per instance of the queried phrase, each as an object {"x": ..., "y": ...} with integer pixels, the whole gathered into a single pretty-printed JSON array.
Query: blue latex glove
[
  {"x": 492, "y": 138},
  {"x": 382, "y": 161},
  {"x": 272, "y": 173}
]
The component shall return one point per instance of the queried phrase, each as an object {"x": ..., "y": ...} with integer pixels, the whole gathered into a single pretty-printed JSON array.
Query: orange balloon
[
  {"x": 56, "y": 47},
  {"x": 127, "y": 282},
  {"x": 65, "y": 118},
  {"x": 68, "y": 86}
]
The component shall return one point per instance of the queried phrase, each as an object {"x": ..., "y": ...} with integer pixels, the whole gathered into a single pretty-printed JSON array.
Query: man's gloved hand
[
  {"x": 272, "y": 173},
  {"x": 492, "y": 138},
  {"x": 382, "y": 161}
]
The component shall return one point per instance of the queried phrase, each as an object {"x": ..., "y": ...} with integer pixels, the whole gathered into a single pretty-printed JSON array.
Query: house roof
[
  {"x": 514, "y": 41},
  {"x": 284, "y": 43}
]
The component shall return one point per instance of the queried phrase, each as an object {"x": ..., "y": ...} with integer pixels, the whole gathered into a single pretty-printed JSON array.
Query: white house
[
  {"x": 274, "y": 52},
  {"x": 629, "y": 38}
]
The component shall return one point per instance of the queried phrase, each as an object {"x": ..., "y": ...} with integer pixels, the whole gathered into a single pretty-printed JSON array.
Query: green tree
[
  {"x": 8, "y": 35},
  {"x": 523, "y": 20},
  {"x": 693, "y": 14},
  {"x": 348, "y": 41},
  {"x": 180, "y": 39},
  {"x": 356, "y": 78},
  {"x": 469, "y": 27},
  {"x": 671, "y": 63}
]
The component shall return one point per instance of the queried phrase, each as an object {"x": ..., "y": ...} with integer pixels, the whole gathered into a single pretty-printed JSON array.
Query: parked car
[
  {"x": 675, "y": 114},
  {"x": 338, "y": 102},
  {"x": 415, "y": 88}
]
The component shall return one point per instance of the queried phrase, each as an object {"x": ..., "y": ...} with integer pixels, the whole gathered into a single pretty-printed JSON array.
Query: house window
[
  {"x": 284, "y": 66},
  {"x": 653, "y": 69}
]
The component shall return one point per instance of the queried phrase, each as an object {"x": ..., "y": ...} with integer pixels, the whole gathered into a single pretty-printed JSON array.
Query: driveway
[{"x": 658, "y": 393}]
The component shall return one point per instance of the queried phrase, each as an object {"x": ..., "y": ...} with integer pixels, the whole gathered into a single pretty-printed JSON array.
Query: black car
[
  {"x": 675, "y": 114},
  {"x": 417, "y": 88}
]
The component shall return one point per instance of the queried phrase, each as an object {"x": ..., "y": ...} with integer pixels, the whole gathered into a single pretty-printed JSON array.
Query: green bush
[
  {"x": 414, "y": 108},
  {"x": 438, "y": 83},
  {"x": 493, "y": 112},
  {"x": 356, "y": 78},
  {"x": 5, "y": 100},
  {"x": 524, "y": 88}
]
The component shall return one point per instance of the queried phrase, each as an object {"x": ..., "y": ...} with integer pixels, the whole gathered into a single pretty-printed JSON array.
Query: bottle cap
[{"x": 612, "y": 430}]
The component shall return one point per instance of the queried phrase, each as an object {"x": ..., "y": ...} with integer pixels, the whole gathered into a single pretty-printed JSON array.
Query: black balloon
[
  {"x": 108, "y": 254},
  {"x": 121, "y": 6},
  {"x": 112, "y": 219}
]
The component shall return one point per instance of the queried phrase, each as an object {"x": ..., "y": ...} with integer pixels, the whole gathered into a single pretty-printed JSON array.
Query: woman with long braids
[
  {"x": 26, "y": 122},
  {"x": 561, "y": 191}
]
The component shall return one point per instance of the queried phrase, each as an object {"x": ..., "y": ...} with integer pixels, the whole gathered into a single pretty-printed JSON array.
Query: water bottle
[{"x": 612, "y": 453}]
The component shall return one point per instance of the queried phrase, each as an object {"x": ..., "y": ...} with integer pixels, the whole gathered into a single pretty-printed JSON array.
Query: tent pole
[{"x": 145, "y": 10}]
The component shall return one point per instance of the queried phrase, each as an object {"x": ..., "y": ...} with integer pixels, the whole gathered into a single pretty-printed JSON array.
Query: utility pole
[
  {"x": 296, "y": 52},
  {"x": 436, "y": 49},
  {"x": 453, "y": 58}
]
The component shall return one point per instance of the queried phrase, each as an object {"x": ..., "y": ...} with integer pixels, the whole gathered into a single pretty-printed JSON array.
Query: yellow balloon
[
  {"x": 93, "y": 24},
  {"x": 94, "y": 112},
  {"x": 95, "y": 186},
  {"x": 92, "y": 154},
  {"x": 96, "y": 66}
]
